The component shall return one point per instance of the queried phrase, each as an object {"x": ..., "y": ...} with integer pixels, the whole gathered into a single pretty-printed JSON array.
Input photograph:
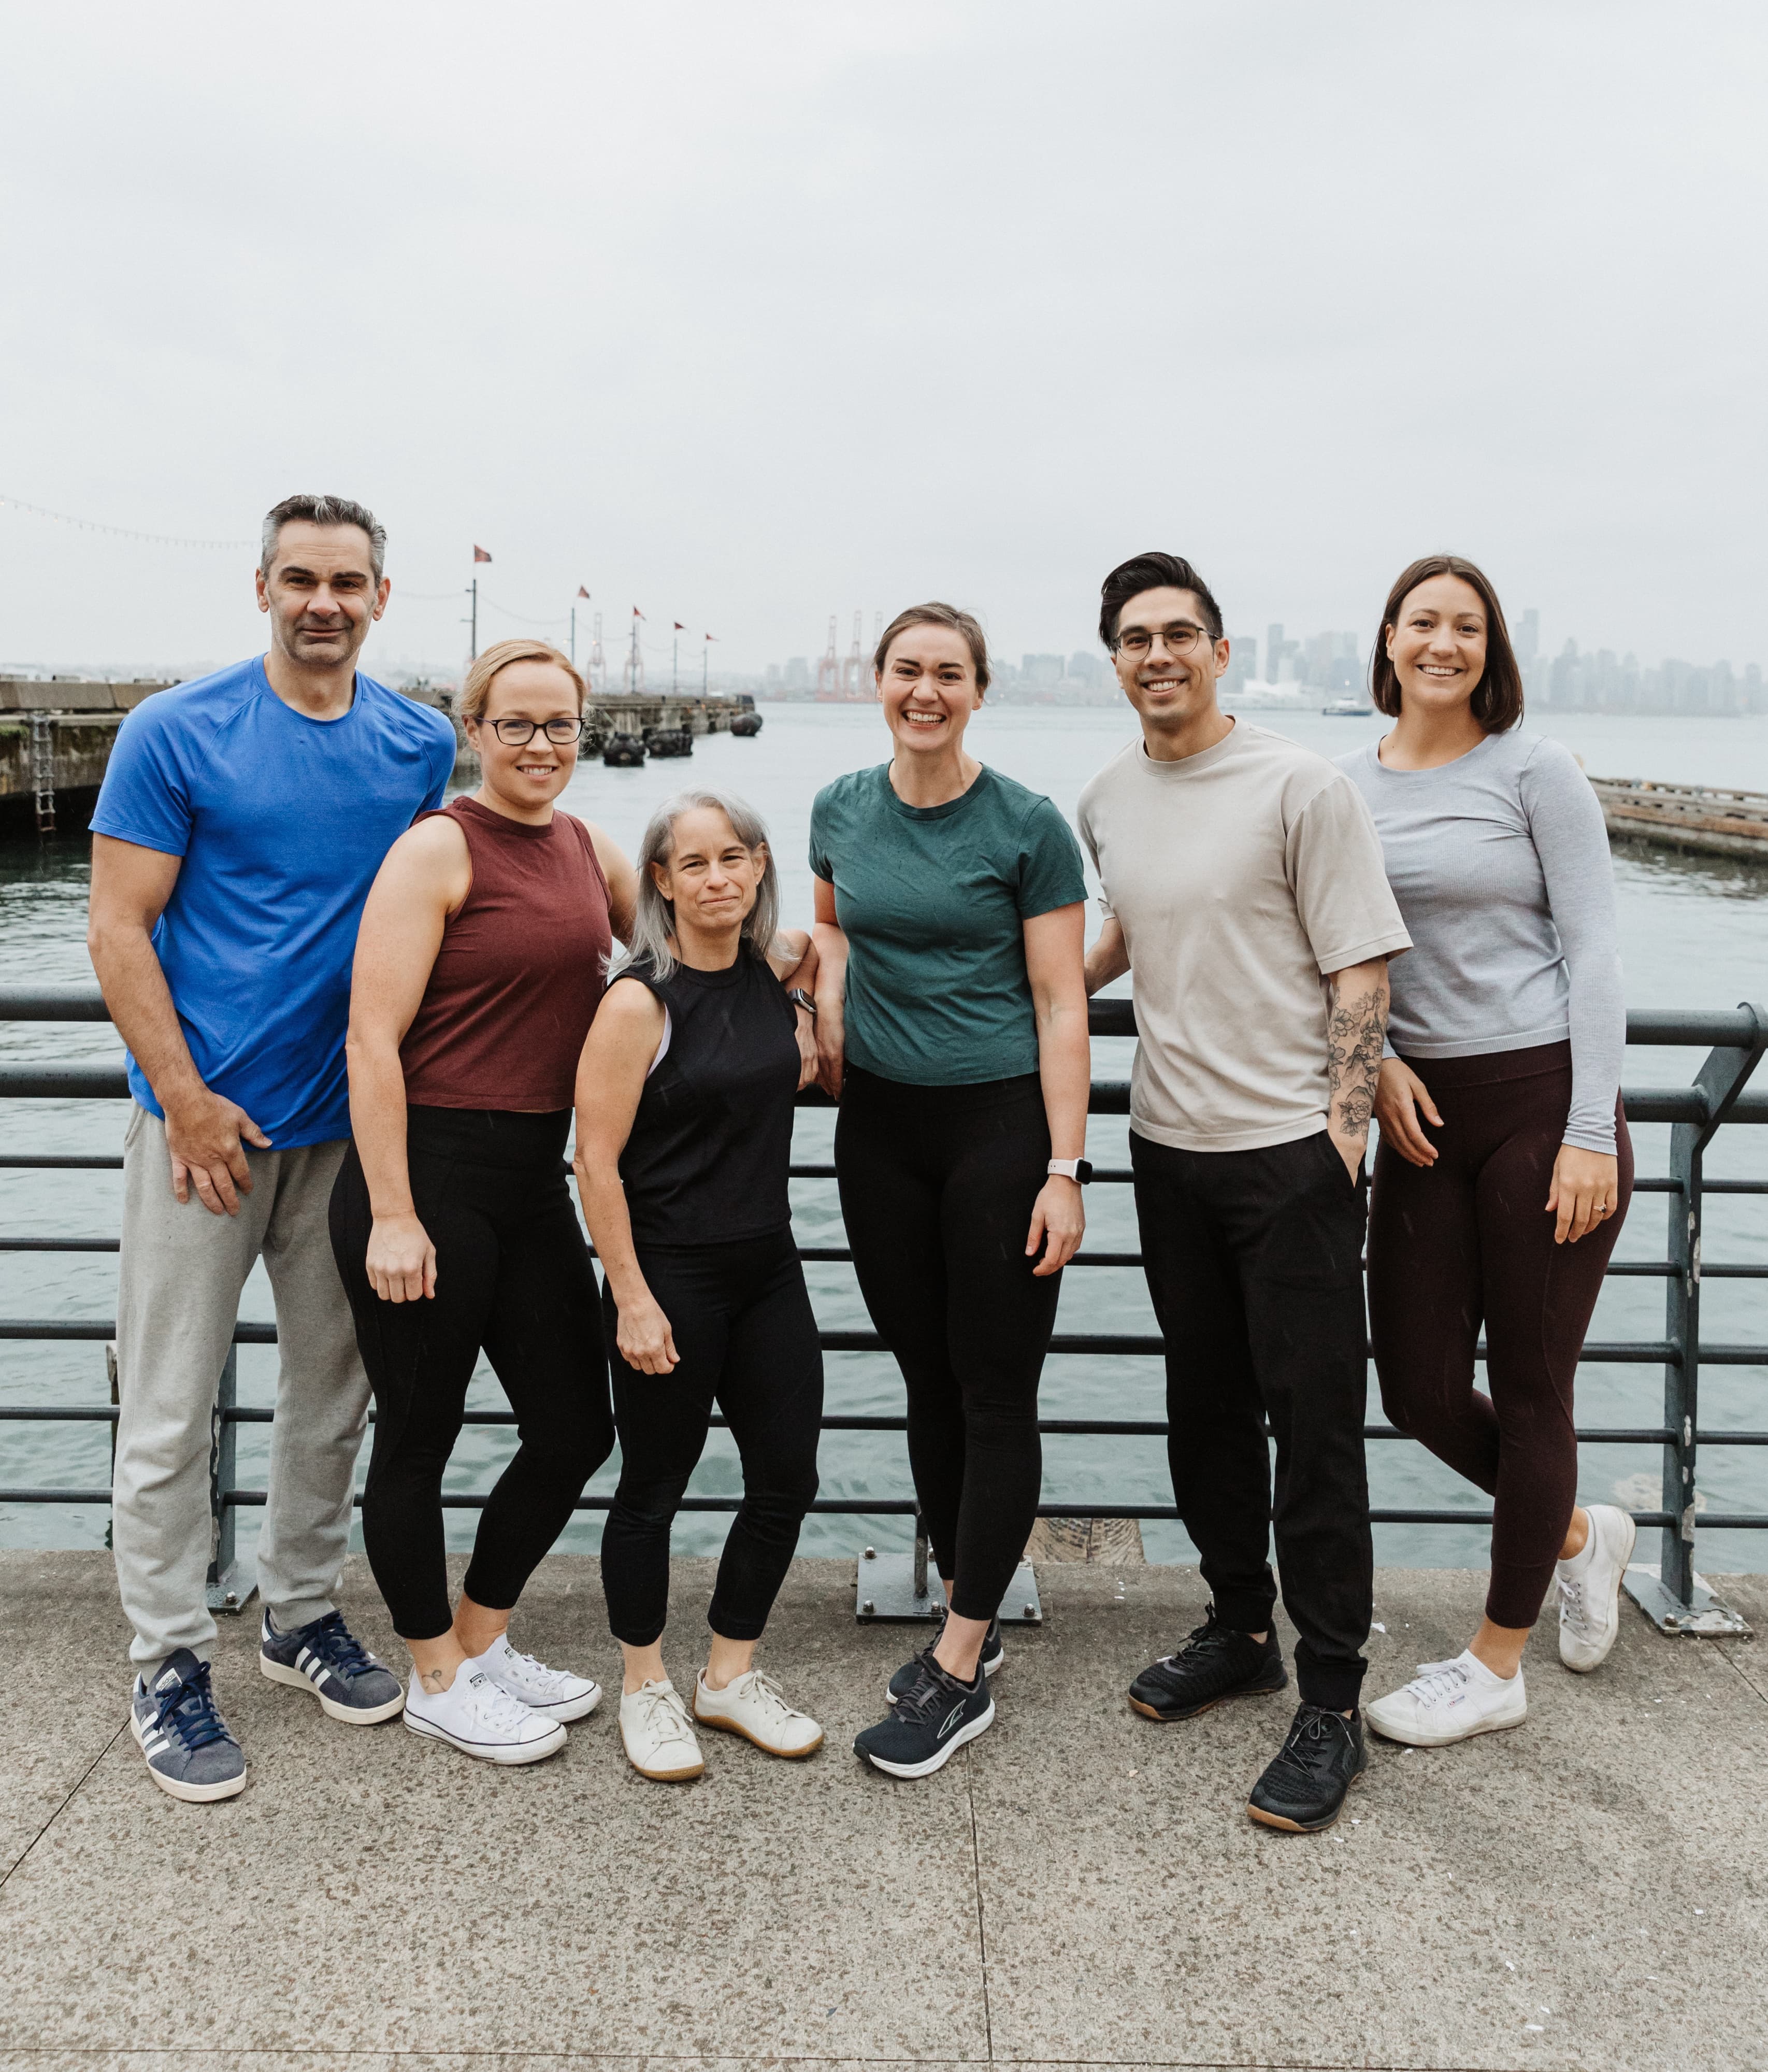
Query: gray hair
[
  {"x": 324, "y": 511},
  {"x": 655, "y": 920}
]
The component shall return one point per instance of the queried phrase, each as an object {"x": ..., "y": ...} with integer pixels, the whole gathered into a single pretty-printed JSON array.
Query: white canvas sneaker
[
  {"x": 659, "y": 1742},
  {"x": 480, "y": 1718},
  {"x": 556, "y": 1693},
  {"x": 751, "y": 1705},
  {"x": 1589, "y": 1588},
  {"x": 1448, "y": 1701}
]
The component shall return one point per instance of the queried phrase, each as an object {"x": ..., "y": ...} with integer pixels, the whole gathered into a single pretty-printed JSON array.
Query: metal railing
[{"x": 1735, "y": 1039}]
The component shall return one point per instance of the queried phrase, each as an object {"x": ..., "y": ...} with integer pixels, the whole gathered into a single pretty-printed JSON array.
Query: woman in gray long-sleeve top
[{"x": 1504, "y": 1167}]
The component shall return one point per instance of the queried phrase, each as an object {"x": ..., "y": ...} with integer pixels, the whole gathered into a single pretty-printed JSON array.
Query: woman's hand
[
  {"x": 401, "y": 1260},
  {"x": 809, "y": 1062},
  {"x": 644, "y": 1338},
  {"x": 1059, "y": 1213},
  {"x": 1399, "y": 1094},
  {"x": 831, "y": 1039},
  {"x": 1586, "y": 1191}
]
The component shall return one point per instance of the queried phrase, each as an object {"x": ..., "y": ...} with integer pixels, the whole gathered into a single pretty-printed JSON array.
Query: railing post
[
  {"x": 231, "y": 1582},
  {"x": 1676, "y": 1599}
]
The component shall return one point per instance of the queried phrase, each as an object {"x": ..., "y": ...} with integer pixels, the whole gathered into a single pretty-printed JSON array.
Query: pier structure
[
  {"x": 55, "y": 739},
  {"x": 1710, "y": 820}
]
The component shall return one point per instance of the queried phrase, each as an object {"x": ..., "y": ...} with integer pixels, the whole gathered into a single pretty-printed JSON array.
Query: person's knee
[{"x": 645, "y": 1508}]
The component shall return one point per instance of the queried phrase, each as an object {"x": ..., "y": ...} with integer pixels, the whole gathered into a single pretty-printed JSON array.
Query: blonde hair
[
  {"x": 947, "y": 615},
  {"x": 476, "y": 692}
]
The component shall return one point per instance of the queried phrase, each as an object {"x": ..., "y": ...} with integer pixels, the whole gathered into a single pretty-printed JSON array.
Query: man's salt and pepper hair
[
  {"x": 655, "y": 920},
  {"x": 324, "y": 511}
]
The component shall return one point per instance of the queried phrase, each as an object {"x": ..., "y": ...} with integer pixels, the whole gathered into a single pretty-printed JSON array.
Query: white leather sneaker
[
  {"x": 751, "y": 1705},
  {"x": 1448, "y": 1701},
  {"x": 659, "y": 1742},
  {"x": 479, "y": 1717},
  {"x": 554, "y": 1692},
  {"x": 1589, "y": 1588}
]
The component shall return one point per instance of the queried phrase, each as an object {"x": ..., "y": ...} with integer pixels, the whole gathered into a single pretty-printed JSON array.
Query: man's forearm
[
  {"x": 1108, "y": 958},
  {"x": 140, "y": 1005},
  {"x": 1356, "y": 1031}
]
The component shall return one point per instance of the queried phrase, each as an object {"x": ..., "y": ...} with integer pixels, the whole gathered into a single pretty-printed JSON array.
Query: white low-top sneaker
[
  {"x": 659, "y": 1742},
  {"x": 1448, "y": 1701},
  {"x": 1589, "y": 1588},
  {"x": 555, "y": 1693},
  {"x": 751, "y": 1705},
  {"x": 479, "y": 1717}
]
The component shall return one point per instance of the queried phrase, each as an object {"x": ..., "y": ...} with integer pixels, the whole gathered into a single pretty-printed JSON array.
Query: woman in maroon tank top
[{"x": 478, "y": 968}]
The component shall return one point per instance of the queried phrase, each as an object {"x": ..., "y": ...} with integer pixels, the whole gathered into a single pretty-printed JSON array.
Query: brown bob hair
[
  {"x": 1497, "y": 701},
  {"x": 947, "y": 615},
  {"x": 476, "y": 689}
]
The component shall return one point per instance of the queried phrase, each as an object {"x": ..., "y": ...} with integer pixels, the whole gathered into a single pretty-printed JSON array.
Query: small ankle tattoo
[{"x": 435, "y": 1681}]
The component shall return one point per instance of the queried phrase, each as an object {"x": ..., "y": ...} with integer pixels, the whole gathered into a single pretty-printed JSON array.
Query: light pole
[{"x": 705, "y": 663}]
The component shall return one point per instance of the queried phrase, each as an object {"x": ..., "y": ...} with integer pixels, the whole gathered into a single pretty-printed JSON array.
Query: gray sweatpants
[{"x": 182, "y": 1272}]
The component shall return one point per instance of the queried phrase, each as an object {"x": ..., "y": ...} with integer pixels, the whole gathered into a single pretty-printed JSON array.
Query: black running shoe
[
  {"x": 1303, "y": 1787},
  {"x": 1214, "y": 1663},
  {"x": 934, "y": 1717},
  {"x": 991, "y": 1658}
]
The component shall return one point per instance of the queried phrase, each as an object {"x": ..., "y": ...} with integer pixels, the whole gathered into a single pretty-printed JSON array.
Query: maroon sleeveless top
[{"x": 520, "y": 972}]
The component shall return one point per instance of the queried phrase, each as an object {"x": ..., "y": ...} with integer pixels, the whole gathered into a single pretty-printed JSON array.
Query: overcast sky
[{"x": 751, "y": 314}]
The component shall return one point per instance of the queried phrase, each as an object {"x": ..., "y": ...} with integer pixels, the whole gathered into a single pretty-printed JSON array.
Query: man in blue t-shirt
[{"x": 242, "y": 820}]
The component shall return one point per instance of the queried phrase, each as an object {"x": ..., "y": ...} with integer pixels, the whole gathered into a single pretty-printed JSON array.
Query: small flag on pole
[
  {"x": 679, "y": 627},
  {"x": 581, "y": 591},
  {"x": 479, "y": 554}
]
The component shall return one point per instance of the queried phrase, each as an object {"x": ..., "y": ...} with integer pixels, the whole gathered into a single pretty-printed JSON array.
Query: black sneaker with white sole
[
  {"x": 1304, "y": 1784},
  {"x": 1214, "y": 1664},
  {"x": 189, "y": 1752},
  {"x": 326, "y": 1659},
  {"x": 990, "y": 1658},
  {"x": 934, "y": 1717}
]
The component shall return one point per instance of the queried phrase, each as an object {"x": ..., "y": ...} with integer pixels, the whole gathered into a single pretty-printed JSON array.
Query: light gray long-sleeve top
[{"x": 1500, "y": 863}]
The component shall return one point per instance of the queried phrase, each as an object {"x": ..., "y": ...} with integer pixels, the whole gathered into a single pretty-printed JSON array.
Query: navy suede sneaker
[
  {"x": 189, "y": 1752},
  {"x": 327, "y": 1659},
  {"x": 935, "y": 1716}
]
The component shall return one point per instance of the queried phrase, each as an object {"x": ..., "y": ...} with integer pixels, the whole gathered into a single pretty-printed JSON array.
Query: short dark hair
[
  {"x": 1129, "y": 578},
  {"x": 1497, "y": 701},
  {"x": 324, "y": 511},
  {"x": 948, "y": 615}
]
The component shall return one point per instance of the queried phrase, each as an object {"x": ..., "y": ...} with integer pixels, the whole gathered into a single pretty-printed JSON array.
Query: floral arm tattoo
[{"x": 1355, "y": 1030}]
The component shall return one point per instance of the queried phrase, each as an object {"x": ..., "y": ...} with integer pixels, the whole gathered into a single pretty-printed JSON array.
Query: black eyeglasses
[
  {"x": 518, "y": 733},
  {"x": 1180, "y": 638}
]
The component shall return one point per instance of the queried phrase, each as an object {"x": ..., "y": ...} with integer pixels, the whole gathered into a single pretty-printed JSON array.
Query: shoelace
[
  {"x": 931, "y": 1691},
  {"x": 1313, "y": 1724},
  {"x": 763, "y": 1688},
  {"x": 1571, "y": 1601},
  {"x": 189, "y": 1712},
  {"x": 1438, "y": 1680},
  {"x": 498, "y": 1708},
  {"x": 339, "y": 1647},
  {"x": 538, "y": 1669},
  {"x": 1203, "y": 1640},
  {"x": 673, "y": 1726}
]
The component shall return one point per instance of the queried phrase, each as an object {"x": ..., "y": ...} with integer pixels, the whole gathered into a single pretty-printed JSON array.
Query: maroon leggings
[{"x": 1467, "y": 1241}]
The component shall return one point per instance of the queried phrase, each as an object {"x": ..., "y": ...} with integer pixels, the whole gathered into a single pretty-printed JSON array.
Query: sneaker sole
[
  {"x": 506, "y": 1753},
  {"x": 1441, "y": 1741},
  {"x": 1285, "y": 1826},
  {"x": 1584, "y": 1668},
  {"x": 911, "y": 1769},
  {"x": 191, "y": 1795},
  {"x": 351, "y": 1716},
  {"x": 668, "y": 1776},
  {"x": 1171, "y": 1719},
  {"x": 989, "y": 1669},
  {"x": 731, "y": 1727}
]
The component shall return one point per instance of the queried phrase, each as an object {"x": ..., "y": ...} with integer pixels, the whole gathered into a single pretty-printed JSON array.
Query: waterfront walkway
[{"x": 1082, "y": 1887}]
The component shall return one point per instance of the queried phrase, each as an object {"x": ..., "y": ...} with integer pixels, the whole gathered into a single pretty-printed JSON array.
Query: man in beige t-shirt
[{"x": 1244, "y": 892}]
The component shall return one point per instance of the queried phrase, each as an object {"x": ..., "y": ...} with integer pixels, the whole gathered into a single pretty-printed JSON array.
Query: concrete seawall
[{"x": 1079, "y": 1887}]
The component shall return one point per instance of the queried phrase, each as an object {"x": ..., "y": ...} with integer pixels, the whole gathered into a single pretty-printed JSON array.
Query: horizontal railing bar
[{"x": 40, "y": 1162}]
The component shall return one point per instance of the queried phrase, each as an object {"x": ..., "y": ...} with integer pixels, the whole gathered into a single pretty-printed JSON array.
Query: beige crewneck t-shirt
[{"x": 1240, "y": 876}]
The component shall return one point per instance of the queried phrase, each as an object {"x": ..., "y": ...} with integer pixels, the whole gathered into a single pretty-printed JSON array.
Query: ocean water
[{"x": 1694, "y": 932}]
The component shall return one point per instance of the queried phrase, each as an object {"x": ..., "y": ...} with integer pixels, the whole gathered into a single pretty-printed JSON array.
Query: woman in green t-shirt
[{"x": 952, "y": 1025}]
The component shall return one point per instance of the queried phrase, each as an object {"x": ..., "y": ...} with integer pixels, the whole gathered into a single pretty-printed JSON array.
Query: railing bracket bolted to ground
[{"x": 905, "y": 1586}]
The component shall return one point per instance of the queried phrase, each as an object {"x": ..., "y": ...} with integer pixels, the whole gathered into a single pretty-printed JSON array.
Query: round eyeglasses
[
  {"x": 1179, "y": 638},
  {"x": 518, "y": 733}
]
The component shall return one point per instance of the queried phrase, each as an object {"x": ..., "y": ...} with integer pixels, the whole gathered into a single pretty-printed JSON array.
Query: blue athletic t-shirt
[{"x": 282, "y": 822}]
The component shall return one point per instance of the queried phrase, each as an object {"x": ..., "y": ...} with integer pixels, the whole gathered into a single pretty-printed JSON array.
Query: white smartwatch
[{"x": 1079, "y": 1171}]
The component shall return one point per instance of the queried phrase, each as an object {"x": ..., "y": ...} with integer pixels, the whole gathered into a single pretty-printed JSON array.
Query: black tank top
[{"x": 705, "y": 1160}]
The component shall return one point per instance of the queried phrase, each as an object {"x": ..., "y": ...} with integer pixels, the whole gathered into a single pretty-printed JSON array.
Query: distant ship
[{"x": 1350, "y": 707}]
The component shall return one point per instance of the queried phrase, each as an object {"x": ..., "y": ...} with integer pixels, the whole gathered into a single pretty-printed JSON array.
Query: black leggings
[
  {"x": 741, "y": 1320},
  {"x": 512, "y": 1276},
  {"x": 1469, "y": 1241},
  {"x": 937, "y": 1186}
]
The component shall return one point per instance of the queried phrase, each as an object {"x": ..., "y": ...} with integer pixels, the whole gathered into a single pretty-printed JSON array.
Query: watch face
[{"x": 1083, "y": 1171}]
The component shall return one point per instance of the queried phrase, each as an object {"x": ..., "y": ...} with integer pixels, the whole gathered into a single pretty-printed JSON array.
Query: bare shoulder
[
  {"x": 629, "y": 1008},
  {"x": 435, "y": 843}
]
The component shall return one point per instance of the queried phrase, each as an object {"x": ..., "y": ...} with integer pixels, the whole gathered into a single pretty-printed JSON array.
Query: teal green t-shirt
[{"x": 933, "y": 900}]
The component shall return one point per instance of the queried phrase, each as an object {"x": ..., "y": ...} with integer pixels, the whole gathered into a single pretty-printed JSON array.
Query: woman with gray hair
[{"x": 685, "y": 1094}]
